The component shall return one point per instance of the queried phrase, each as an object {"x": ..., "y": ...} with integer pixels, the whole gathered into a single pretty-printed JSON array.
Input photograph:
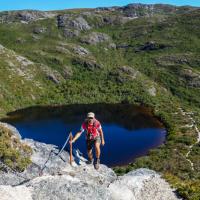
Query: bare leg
[
  {"x": 97, "y": 149},
  {"x": 90, "y": 156}
]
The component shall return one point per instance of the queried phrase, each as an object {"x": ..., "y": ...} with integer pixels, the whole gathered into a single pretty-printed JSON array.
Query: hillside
[{"x": 143, "y": 54}]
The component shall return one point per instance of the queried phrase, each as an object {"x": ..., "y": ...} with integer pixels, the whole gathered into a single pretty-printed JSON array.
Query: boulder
[
  {"x": 151, "y": 46},
  {"x": 87, "y": 64},
  {"x": 68, "y": 33},
  {"x": 38, "y": 30},
  {"x": 152, "y": 91},
  {"x": 53, "y": 78},
  {"x": 27, "y": 16},
  {"x": 112, "y": 46},
  {"x": 95, "y": 38},
  {"x": 20, "y": 40},
  {"x": 79, "y": 23},
  {"x": 80, "y": 50},
  {"x": 61, "y": 20},
  {"x": 141, "y": 184},
  {"x": 124, "y": 73},
  {"x": 68, "y": 21},
  {"x": 192, "y": 78},
  {"x": 128, "y": 70},
  {"x": 51, "y": 74}
]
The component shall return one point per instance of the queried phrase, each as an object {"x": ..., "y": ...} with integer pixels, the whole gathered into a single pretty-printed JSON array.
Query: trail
[{"x": 191, "y": 125}]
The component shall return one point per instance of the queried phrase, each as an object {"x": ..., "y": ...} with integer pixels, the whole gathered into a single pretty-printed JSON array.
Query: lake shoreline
[{"x": 129, "y": 116}]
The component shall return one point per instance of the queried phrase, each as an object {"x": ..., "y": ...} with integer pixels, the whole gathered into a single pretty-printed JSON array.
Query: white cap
[{"x": 90, "y": 115}]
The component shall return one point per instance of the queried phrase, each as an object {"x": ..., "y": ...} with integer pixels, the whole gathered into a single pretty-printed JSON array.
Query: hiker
[{"x": 94, "y": 136}]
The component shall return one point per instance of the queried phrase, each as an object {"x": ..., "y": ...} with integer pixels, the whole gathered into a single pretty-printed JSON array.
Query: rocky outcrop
[
  {"x": 50, "y": 176},
  {"x": 68, "y": 33},
  {"x": 24, "y": 16},
  {"x": 192, "y": 78},
  {"x": 86, "y": 183},
  {"x": 80, "y": 51},
  {"x": 124, "y": 73},
  {"x": 12, "y": 128},
  {"x": 44, "y": 161},
  {"x": 51, "y": 74},
  {"x": 87, "y": 64},
  {"x": 38, "y": 30},
  {"x": 77, "y": 23},
  {"x": 95, "y": 38},
  {"x": 135, "y": 10},
  {"x": 72, "y": 25},
  {"x": 183, "y": 65},
  {"x": 152, "y": 91},
  {"x": 53, "y": 78},
  {"x": 178, "y": 59},
  {"x": 151, "y": 46}
]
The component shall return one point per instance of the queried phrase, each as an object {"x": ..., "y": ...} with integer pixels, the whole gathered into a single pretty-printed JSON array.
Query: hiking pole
[
  {"x": 64, "y": 144},
  {"x": 70, "y": 148}
]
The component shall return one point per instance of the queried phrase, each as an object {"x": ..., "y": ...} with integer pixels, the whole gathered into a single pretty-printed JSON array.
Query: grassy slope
[{"x": 180, "y": 33}]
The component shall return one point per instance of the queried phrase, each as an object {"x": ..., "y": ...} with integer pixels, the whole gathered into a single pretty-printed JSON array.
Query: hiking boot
[
  {"x": 89, "y": 162},
  {"x": 97, "y": 163}
]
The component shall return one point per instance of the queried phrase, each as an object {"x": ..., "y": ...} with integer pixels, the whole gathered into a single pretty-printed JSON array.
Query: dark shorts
[{"x": 90, "y": 143}]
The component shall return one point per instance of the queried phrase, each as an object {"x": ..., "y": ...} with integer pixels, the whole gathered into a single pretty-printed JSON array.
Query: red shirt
[{"x": 93, "y": 129}]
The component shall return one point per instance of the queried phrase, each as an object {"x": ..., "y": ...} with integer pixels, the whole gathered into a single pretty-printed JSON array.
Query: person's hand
[
  {"x": 70, "y": 142},
  {"x": 103, "y": 143}
]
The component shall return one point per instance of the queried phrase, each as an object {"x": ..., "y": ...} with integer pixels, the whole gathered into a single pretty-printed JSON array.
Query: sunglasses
[{"x": 90, "y": 118}]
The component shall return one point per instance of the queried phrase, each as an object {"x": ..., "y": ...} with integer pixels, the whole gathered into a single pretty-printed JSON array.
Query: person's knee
[
  {"x": 89, "y": 151},
  {"x": 97, "y": 146},
  {"x": 97, "y": 149}
]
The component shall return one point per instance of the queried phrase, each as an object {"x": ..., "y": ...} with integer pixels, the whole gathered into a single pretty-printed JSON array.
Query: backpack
[{"x": 92, "y": 131}]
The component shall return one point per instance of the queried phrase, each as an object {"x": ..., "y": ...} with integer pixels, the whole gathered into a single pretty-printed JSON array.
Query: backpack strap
[{"x": 94, "y": 123}]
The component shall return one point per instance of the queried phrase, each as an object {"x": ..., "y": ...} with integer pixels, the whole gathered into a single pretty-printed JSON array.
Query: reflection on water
[{"x": 130, "y": 131}]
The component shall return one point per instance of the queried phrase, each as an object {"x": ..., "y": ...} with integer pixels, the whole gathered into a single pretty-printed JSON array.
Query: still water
[{"x": 130, "y": 131}]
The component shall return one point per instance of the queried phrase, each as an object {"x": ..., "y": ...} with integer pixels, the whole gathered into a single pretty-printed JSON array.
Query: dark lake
[{"x": 130, "y": 131}]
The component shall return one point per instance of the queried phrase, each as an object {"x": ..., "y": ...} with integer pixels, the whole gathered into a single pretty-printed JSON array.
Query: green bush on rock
[{"x": 13, "y": 153}]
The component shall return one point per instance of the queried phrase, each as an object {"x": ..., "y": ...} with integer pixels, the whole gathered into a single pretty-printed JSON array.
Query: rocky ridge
[{"x": 60, "y": 180}]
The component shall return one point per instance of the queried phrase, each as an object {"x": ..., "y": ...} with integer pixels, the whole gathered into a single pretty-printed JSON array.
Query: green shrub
[{"x": 12, "y": 152}]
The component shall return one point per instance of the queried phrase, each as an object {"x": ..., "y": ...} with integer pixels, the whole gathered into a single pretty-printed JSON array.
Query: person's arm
[
  {"x": 102, "y": 137},
  {"x": 78, "y": 134}
]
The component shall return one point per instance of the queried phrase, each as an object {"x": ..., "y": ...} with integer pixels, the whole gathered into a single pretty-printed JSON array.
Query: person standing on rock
[{"x": 94, "y": 137}]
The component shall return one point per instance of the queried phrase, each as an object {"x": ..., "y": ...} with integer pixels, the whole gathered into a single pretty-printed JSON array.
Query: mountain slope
[{"x": 144, "y": 54}]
